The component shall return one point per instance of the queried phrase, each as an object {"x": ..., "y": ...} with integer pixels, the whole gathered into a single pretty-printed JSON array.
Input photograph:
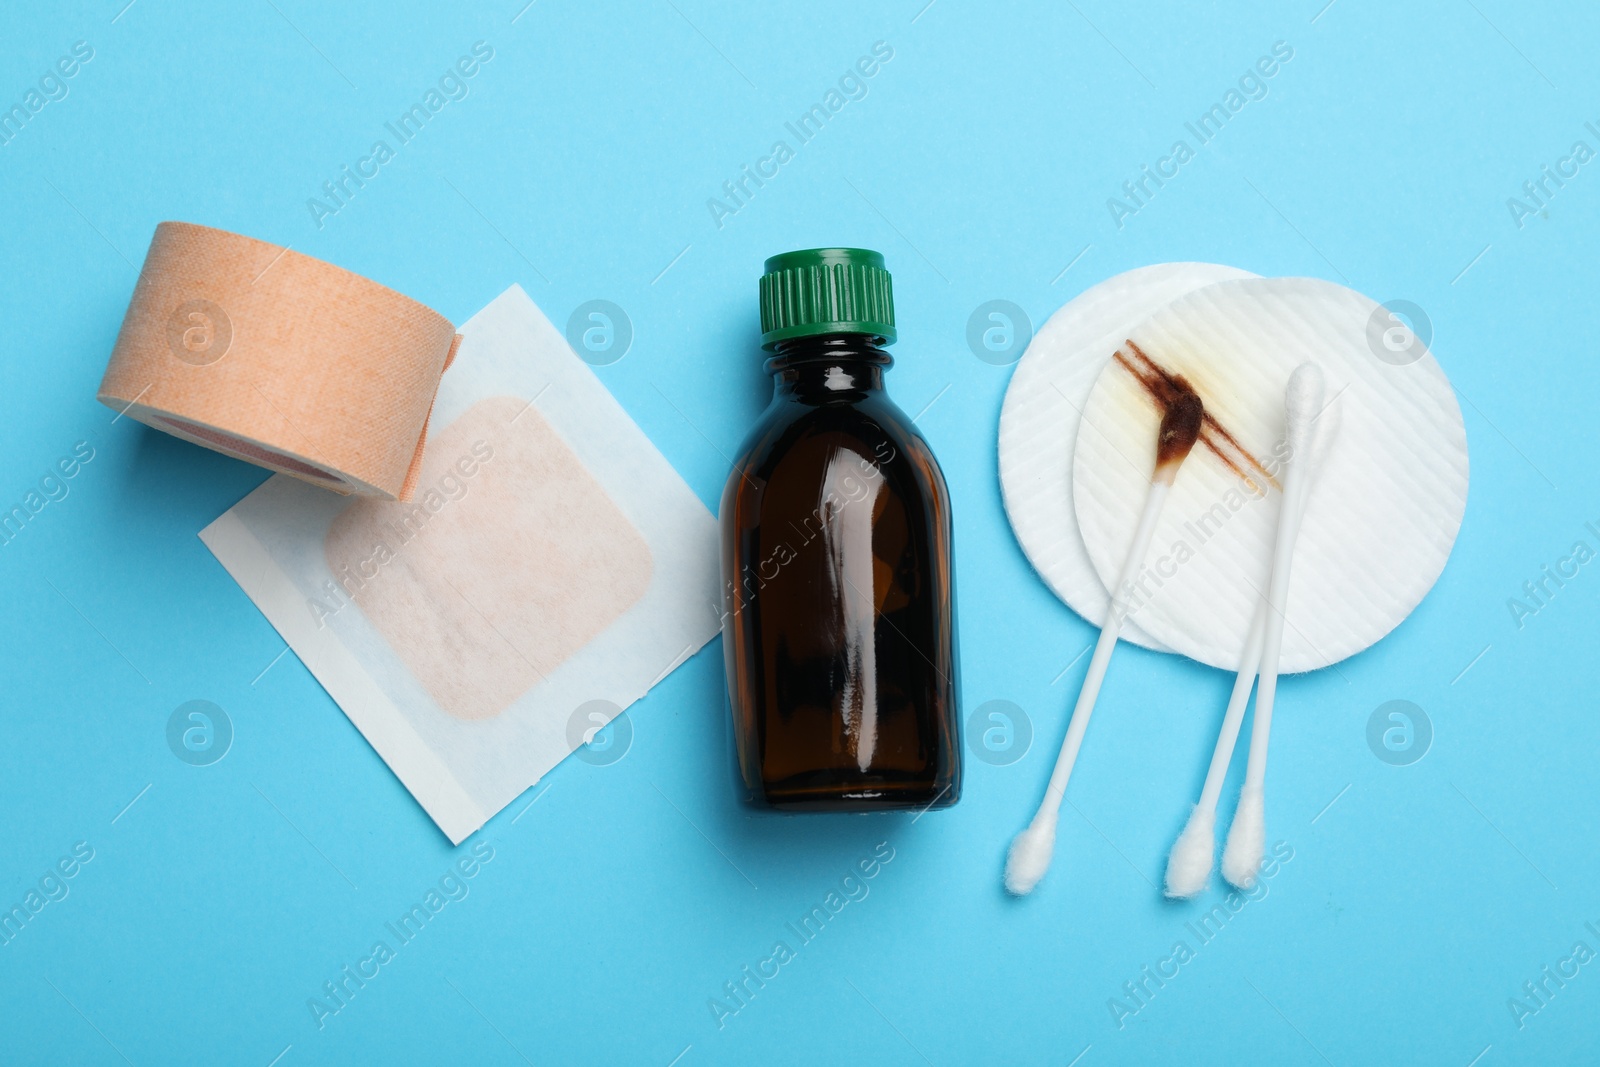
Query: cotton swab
[
  {"x": 1241, "y": 856},
  {"x": 1031, "y": 850},
  {"x": 1189, "y": 865}
]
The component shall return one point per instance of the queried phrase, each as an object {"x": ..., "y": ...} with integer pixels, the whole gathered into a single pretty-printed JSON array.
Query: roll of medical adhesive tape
[
  {"x": 1043, "y": 409},
  {"x": 279, "y": 359}
]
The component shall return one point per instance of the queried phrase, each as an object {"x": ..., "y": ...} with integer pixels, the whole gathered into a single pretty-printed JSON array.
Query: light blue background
[{"x": 980, "y": 162}]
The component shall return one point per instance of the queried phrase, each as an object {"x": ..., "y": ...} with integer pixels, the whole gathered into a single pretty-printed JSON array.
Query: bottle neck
[{"x": 832, "y": 368}]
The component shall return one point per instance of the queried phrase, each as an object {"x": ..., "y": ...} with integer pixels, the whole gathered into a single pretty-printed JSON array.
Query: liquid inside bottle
[{"x": 839, "y": 632}]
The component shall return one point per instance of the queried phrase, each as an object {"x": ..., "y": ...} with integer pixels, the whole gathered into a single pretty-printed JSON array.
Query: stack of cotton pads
[{"x": 1377, "y": 531}]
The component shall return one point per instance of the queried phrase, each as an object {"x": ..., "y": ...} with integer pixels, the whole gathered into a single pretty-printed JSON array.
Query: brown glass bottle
[{"x": 839, "y": 632}]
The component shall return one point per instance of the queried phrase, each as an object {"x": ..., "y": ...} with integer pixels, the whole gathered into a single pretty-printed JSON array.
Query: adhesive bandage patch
[
  {"x": 550, "y": 564},
  {"x": 511, "y": 558}
]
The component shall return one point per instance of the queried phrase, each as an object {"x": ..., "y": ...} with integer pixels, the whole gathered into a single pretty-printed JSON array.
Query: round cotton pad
[
  {"x": 1039, "y": 422},
  {"x": 1385, "y": 504}
]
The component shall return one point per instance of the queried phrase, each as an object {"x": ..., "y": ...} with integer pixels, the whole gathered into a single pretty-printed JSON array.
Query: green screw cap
[{"x": 826, "y": 290}]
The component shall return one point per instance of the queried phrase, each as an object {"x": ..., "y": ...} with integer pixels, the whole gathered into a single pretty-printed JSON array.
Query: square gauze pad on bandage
[{"x": 551, "y": 560}]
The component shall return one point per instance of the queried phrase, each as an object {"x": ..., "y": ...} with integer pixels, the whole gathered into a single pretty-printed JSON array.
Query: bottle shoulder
[
  {"x": 796, "y": 438},
  {"x": 871, "y": 425}
]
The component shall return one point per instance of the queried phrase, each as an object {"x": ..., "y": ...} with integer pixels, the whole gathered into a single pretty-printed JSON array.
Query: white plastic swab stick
[
  {"x": 1241, "y": 857},
  {"x": 1189, "y": 865},
  {"x": 1032, "y": 849}
]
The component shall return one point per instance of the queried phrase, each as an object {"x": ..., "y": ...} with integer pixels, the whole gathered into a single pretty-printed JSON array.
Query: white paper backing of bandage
[
  {"x": 1384, "y": 510},
  {"x": 1040, "y": 416},
  {"x": 463, "y": 772}
]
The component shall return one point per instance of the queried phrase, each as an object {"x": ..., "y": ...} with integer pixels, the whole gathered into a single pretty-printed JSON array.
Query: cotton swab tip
[
  {"x": 1189, "y": 866},
  {"x": 1247, "y": 839},
  {"x": 1180, "y": 429},
  {"x": 1302, "y": 402},
  {"x": 1030, "y": 855}
]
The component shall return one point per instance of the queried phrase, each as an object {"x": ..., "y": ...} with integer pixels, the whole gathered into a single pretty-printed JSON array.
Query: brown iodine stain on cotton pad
[
  {"x": 509, "y": 560},
  {"x": 1163, "y": 388}
]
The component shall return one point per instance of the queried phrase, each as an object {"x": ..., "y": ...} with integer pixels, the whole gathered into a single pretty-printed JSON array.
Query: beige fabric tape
[{"x": 279, "y": 359}]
